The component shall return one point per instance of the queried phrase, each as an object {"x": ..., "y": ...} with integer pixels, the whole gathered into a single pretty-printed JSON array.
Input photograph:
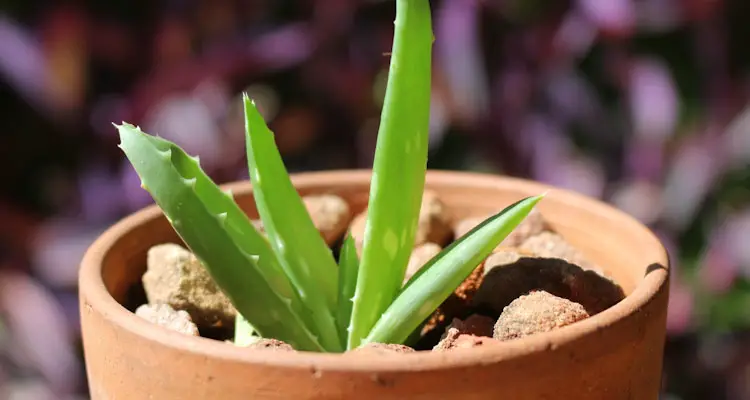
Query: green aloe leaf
[
  {"x": 221, "y": 237},
  {"x": 398, "y": 170},
  {"x": 304, "y": 255},
  {"x": 348, "y": 270},
  {"x": 429, "y": 287}
]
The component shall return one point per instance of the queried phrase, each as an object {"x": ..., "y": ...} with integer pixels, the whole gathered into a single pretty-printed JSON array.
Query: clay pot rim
[{"x": 90, "y": 281}]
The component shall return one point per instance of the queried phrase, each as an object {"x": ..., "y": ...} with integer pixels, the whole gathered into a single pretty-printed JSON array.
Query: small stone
[
  {"x": 463, "y": 226},
  {"x": 382, "y": 349},
  {"x": 330, "y": 214},
  {"x": 536, "y": 312},
  {"x": 269, "y": 344},
  {"x": 532, "y": 225},
  {"x": 434, "y": 222},
  {"x": 454, "y": 339},
  {"x": 419, "y": 257},
  {"x": 357, "y": 230},
  {"x": 476, "y": 325},
  {"x": 552, "y": 245},
  {"x": 168, "y": 317},
  {"x": 503, "y": 257},
  {"x": 174, "y": 276},
  {"x": 433, "y": 225}
]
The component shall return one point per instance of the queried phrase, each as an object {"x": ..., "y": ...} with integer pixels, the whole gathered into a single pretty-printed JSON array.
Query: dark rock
[
  {"x": 476, "y": 325},
  {"x": 506, "y": 281}
]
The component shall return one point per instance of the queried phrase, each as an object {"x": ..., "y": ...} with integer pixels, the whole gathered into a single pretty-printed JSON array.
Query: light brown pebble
[
  {"x": 536, "y": 312},
  {"x": 454, "y": 339},
  {"x": 533, "y": 224},
  {"x": 552, "y": 245},
  {"x": 357, "y": 230},
  {"x": 434, "y": 221},
  {"x": 330, "y": 214},
  {"x": 174, "y": 276},
  {"x": 419, "y": 257},
  {"x": 503, "y": 257},
  {"x": 168, "y": 317},
  {"x": 433, "y": 225}
]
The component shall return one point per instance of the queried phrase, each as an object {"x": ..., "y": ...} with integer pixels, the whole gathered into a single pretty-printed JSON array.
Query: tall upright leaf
[{"x": 399, "y": 168}]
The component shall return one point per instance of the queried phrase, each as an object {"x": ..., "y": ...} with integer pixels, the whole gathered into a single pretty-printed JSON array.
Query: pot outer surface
[{"x": 616, "y": 354}]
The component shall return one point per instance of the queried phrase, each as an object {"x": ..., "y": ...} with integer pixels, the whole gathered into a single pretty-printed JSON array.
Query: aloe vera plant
[{"x": 287, "y": 285}]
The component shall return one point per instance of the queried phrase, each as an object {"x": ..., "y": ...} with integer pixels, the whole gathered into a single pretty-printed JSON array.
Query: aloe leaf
[
  {"x": 220, "y": 235},
  {"x": 398, "y": 170},
  {"x": 348, "y": 269},
  {"x": 244, "y": 332},
  {"x": 236, "y": 222},
  {"x": 304, "y": 255},
  {"x": 434, "y": 282}
]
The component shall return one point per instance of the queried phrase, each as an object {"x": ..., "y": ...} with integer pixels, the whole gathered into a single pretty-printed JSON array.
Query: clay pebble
[
  {"x": 174, "y": 276},
  {"x": 534, "y": 313},
  {"x": 168, "y": 317}
]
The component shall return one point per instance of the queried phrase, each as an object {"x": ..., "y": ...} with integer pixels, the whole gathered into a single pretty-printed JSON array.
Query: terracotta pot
[{"x": 616, "y": 354}]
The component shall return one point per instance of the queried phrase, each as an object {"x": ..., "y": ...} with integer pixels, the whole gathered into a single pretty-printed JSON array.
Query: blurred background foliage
[{"x": 642, "y": 103}]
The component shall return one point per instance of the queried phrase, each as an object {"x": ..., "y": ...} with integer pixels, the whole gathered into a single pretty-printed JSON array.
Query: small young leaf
[
  {"x": 348, "y": 269},
  {"x": 398, "y": 170},
  {"x": 303, "y": 253},
  {"x": 429, "y": 287},
  {"x": 194, "y": 205}
]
